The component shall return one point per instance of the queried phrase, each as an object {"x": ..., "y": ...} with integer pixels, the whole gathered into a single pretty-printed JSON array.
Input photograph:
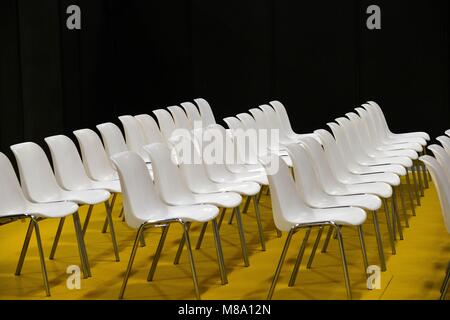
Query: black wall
[{"x": 134, "y": 56}]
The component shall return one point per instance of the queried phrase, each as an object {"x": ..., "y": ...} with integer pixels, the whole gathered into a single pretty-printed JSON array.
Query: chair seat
[
  {"x": 112, "y": 185},
  {"x": 195, "y": 213},
  {"x": 381, "y": 189},
  {"x": 412, "y": 135},
  {"x": 223, "y": 200},
  {"x": 395, "y": 169},
  {"x": 386, "y": 177},
  {"x": 405, "y": 162},
  {"x": 243, "y": 188},
  {"x": 411, "y": 154},
  {"x": 401, "y": 146},
  {"x": 43, "y": 210},
  {"x": 364, "y": 201},
  {"x": 90, "y": 197}
]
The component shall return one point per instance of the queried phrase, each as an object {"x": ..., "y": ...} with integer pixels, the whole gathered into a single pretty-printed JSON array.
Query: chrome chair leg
[
  {"x": 222, "y": 215},
  {"x": 57, "y": 236},
  {"x": 81, "y": 247},
  {"x": 186, "y": 227},
  {"x": 200, "y": 237},
  {"x": 395, "y": 215},
  {"x": 445, "y": 287},
  {"x": 389, "y": 226},
  {"x": 327, "y": 240},
  {"x": 180, "y": 248},
  {"x": 299, "y": 258},
  {"x": 142, "y": 241},
  {"x": 26, "y": 243},
  {"x": 112, "y": 231},
  {"x": 314, "y": 249},
  {"x": 242, "y": 236},
  {"x": 416, "y": 185},
  {"x": 379, "y": 241},
  {"x": 247, "y": 204},
  {"x": 402, "y": 198},
  {"x": 344, "y": 262},
  {"x": 260, "y": 194},
  {"x": 88, "y": 217},
  {"x": 121, "y": 213},
  {"x": 446, "y": 274},
  {"x": 130, "y": 261},
  {"x": 419, "y": 175},
  {"x": 410, "y": 194},
  {"x": 41, "y": 256},
  {"x": 113, "y": 201},
  {"x": 259, "y": 222},
  {"x": 424, "y": 172},
  {"x": 280, "y": 264},
  {"x": 363, "y": 248},
  {"x": 220, "y": 259},
  {"x": 159, "y": 249}
]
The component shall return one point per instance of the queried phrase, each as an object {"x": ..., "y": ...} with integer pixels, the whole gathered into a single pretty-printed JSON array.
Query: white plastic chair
[
  {"x": 71, "y": 175},
  {"x": 150, "y": 129},
  {"x": 40, "y": 185},
  {"x": 411, "y": 136},
  {"x": 447, "y": 133},
  {"x": 291, "y": 215},
  {"x": 144, "y": 209},
  {"x": 113, "y": 139},
  {"x": 166, "y": 123},
  {"x": 445, "y": 141},
  {"x": 192, "y": 113},
  {"x": 180, "y": 118},
  {"x": 205, "y": 112},
  {"x": 317, "y": 167},
  {"x": 443, "y": 189},
  {"x": 442, "y": 157},
  {"x": 14, "y": 206},
  {"x": 134, "y": 136}
]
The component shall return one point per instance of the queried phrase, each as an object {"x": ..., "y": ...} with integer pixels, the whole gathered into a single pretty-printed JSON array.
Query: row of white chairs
[{"x": 439, "y": 167}]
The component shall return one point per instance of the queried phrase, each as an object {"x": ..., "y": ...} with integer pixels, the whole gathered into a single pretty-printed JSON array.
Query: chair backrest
[
  {"x": 283, "y": 117},
  {"x": 134, "y": 135},
  {"x": 205, "y": 112},
  {"x": 166, "y": 123},
  {"x": 67, "y": 164},
  {"x": 150, "y": 128},
  {"x": 233, "y": 123},
  {"x": 36, "y": 176},
  {"x": 260, "y": 119},
  {"x": 140, "y": 198},
  {"x": 287, "y": 205},
  {"x": 442, "y": 157},
  {"x": 192, "y": 112},
  {"x": 11, "y": 194},
  {"x": 248, "y": 121},
  {"x": 343, "y": 143},
  {"x": 445, "y": 141},
  {"x": 180, "y": 118},
  {"x": 168, "y": 180},
  {"x": 442, "y": 186},
  {"x": 447, "y": 133},
  {"x": 96, "y": 162},
  {"x": 113, "y": 139}
]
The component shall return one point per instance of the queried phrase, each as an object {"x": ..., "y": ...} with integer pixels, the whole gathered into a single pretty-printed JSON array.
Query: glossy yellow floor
[{"x": 416, "y": 272}]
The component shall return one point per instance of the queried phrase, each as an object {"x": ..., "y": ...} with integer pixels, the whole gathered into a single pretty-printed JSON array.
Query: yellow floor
[{"x": 416, "y": 272}]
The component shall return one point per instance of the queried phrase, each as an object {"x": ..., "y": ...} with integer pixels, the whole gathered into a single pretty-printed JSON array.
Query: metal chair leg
[
  {"x": 242, "y": 236},
  {"x": 151, "y": 273},
  {"x": 191, "y": 259},
  {"x": 259, "y": 222},
  {"x": 247, "y": 204},
  {"x": 41, "y": 256},
  {"x": 130, "y": 261},
  {"x": 389, "y": 227},
  {"x": 396, "y": 216},
  {"x": 299, "y": 258},
  {"x": 202, "y": 234},
  {"x": 344, "y": 262},
  {"x": 88, "y": 217},
  {"x": 222, "y": 215},
  {"x": 112, "y": 231},
  {"x": 445, "y": 287},
  {"x": 57, "y": 236},
  {"x": 419, "y": 175},
  {"x": 26, "y": 243},
  {"x": 280, "y": 264},
  {"x": 105, "y": 225},
  {"x": 379, "y": 241},
  {"x": 230, "y": 221},
  {"x": 81, "y": 246},
  {"x": 314, "y": 249},
  {"x": 424, "y": 172},
  {"x": 416, "y": 185},
  {"x": 410, "y": 194},
  {"x": 142, "y": 241},
  {"x": 180, "y": 248},
  {"x": 220, "y": 259},
  {"x": 363, "y": 247},
  {"x": 327, "y": 240},
  {"x": 121, "y": 213},
  {"x": 402, "y": 198}
]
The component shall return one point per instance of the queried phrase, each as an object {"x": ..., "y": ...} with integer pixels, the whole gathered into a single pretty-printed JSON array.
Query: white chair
[
  {"x": 150, "y": 129},
  {"x": 192, "y": 113},
  {"x": 411, "y": 136},
  {"x": 180, "y": 118},
  {"x": 205, "y": 112},
  {"x": 14, "y": 206},
  {"x": 144, "y": 209},
  {"x": 445, "y": 141},
  {"x": 113, "y": 139},
  {"x": 71, "y": 175},
  {"x": 285, "y": 121},
  {"x": 447, "y": 133},
  {"x": 134, "y": 136},
  {"x": 166, "y": 123},
  {"x": 317, "y": 167},
  {"x": 39, "y": 184},
  {"x": 443, "y": 189},
  {"x": 442, "y": 157},
  {"x": 291, "y": 215}
]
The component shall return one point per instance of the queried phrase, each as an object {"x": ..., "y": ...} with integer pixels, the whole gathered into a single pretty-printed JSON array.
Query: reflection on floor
[{"x": 416, "y": 272}]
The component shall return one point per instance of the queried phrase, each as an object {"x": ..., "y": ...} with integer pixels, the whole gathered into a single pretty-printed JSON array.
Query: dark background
[{"x": 130, "y": 57}]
